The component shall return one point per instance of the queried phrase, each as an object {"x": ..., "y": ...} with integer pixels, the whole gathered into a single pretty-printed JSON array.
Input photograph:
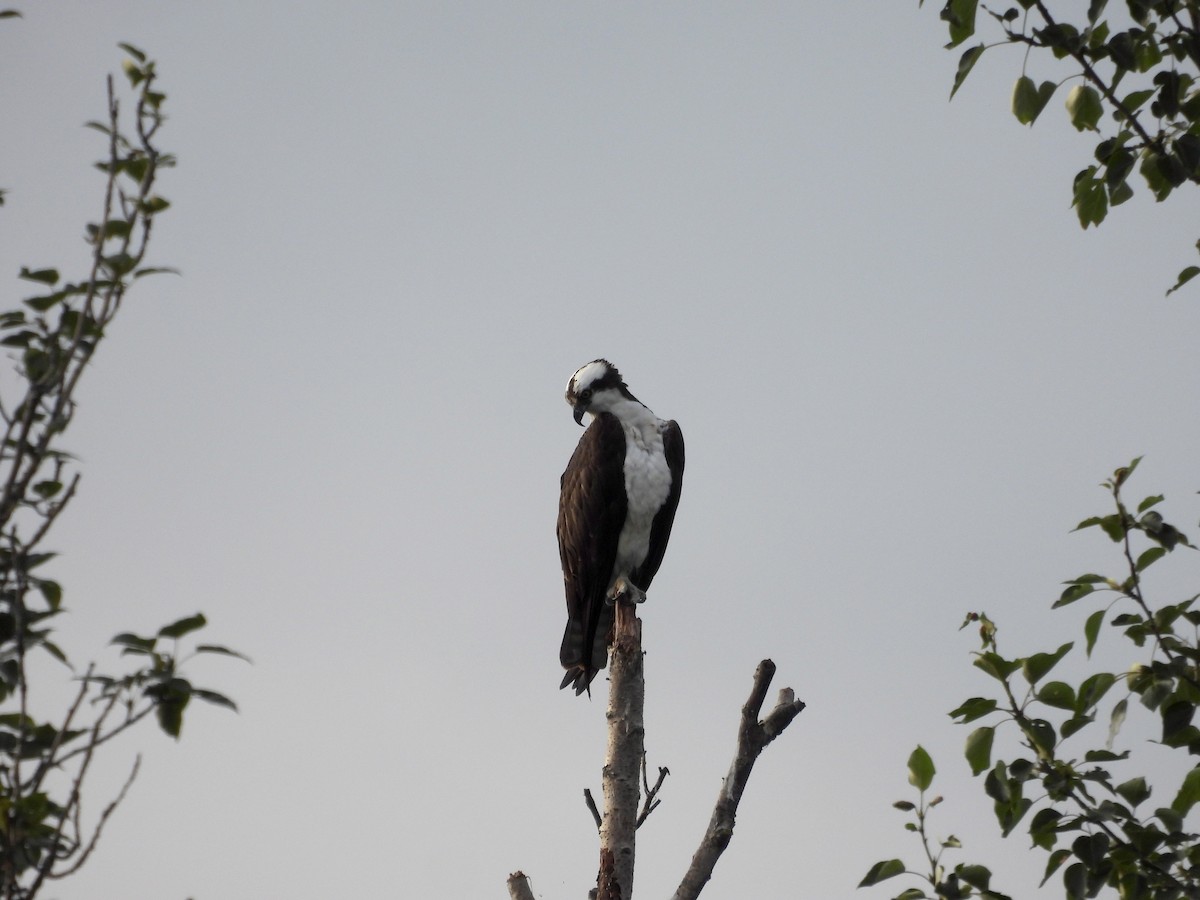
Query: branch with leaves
[
  {"x": 52, "y": 338},
  {"x": 1092, "y": 825},
  {"x": 1140, "y": 66}
]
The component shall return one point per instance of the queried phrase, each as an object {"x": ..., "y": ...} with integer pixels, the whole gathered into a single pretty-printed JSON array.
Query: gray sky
[{"x": 901, "y": 368}]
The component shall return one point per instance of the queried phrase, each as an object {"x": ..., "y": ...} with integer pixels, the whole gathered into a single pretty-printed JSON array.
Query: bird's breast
[{"x": 647, "y": 485}]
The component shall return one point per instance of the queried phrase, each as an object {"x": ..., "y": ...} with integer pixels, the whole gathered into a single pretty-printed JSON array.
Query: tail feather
[{"x": 581, "y": 661}]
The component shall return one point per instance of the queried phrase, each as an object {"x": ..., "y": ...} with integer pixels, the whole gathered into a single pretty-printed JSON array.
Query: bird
[{"x": 617, "y": 504}]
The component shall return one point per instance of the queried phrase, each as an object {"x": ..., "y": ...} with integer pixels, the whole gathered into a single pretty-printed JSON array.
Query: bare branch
[
  {"x": 49, "y": 758},
  {"x": 518, "y": 887},
  {"x": 650, "y": 804},
  {"x": 591, "y": 805},
  {"x": 753, "y": 737},
  {"x": 108, "y": 811}
]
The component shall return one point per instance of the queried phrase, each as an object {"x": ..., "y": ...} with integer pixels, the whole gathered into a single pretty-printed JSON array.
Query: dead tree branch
[
  {"x": 591, "y": 805},
  {"x": 650, "y": 804},
  {"x": 623, "y": 759},
  {"x": 753, "y": 737},
  {"x": 518, "y": 887}
]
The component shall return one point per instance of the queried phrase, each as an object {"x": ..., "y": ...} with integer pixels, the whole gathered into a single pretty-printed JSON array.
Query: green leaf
[
  {"x": 1085, "y": 107},
  {"x": 1177, "y": 720},
  {"x": 155, "y": 270},
  {"x": 54, "y": 650},
  {"x": 975, "y": 708},
  {"x": 1147, "y": 55},
  {"x": 1134, "y": 791},
  {"x": 113, "y": 228},
  {"x": 1036, "y": 666},
  {"x": 1074, "y": 724},
  {"x": 1149, "y": 502},
  {"x": 1044, "y": 828},
  {"x": 171, "y": 698},
  {"x": 1171, "y": 820},
  {"x": 1118, "y": 192},
  {"x": 47, "y": 489},
  {"x": 134, "y": 52},
  {"x": 134, "y": 642},
  {"x": 9, "y": 14},
  {"x": 1152, "y": 170},
  {"x": 1091, "y": 848},
  {"x": 42, "y": 276},
  {"x": 118, "y": 264},
  {"x": 52, "y": 591},
  {"x": 1028, "y": 99},
  {"x": 1148, "y": 557},
  {"x": 1072, "y": 593},
  {"x": 920, "y": 769},
  {"x": 977, "y": 876},
  {"x": 46, "y": 301},
  {"x": 223, "y": 651},
  {"x": 996, "y": 665},
  {"x": 1112, "y": 525},
  {"x": 979, "y": 749},
  {"x": 183, "y": 626},
  {"x": 154, "y": 204},
  {"x": 1057, "y": 858},
  {"x": 1090, "y": 197},
  {"x": 133, "y": 72},
  {"x": 965, "y": 64},
  {"x": 33, "y": 560},
  {"x": 1092, "y": 691},
  {"x": 1058, "y": 694},
  {"x": 170, "y": 716},
  {"x": 881, "y": 871},
  {"x": 214, "y": 698},
  {"x": 960, "y": 15},
  {"x": 1091, "y": 629},
  {"x": 1184, "y": 277},
  {"x": 1136, "y": 99}
]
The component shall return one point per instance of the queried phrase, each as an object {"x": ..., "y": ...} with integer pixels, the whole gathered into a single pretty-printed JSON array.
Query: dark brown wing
[
  {"x": 660, "y": 529},
  {"x": 591, "y": 511}
]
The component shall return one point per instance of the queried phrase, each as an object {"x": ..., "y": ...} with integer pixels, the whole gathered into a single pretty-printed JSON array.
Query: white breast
[{"x": 647, "y": 485}]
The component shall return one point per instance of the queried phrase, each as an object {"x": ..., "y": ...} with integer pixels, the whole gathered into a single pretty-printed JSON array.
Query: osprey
[{"x": 619, "y": 495}]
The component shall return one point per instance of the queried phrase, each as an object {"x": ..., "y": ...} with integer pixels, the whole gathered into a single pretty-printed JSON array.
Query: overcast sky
[{"x": 901, "y": 369}]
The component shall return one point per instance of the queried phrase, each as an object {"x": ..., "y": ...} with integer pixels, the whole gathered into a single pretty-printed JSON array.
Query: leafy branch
[
  {"x": 1146, "y": 853},
  {"x": 1140, "y": 66},
  {"x": 52, "y": 337}
]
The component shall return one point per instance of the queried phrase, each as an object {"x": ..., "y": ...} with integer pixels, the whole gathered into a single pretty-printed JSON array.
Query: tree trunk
[{"x": 623, "y": 759}]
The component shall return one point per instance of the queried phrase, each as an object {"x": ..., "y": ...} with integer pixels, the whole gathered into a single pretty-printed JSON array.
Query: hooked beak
[{"x": 578, "y": 412}]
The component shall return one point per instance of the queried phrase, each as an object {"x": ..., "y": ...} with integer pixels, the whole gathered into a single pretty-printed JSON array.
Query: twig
[
  {"x": 108, "y": 811},
  {"x": 591, "y": 805},
  {"x": 650, "y": 804},
  {"x": 753, "y": 737}
]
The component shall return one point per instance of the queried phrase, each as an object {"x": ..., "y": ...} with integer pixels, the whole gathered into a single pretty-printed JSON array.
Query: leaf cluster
[
  {"x": 1133, "y": 82},
  {"x": 1098, "y": 831}
]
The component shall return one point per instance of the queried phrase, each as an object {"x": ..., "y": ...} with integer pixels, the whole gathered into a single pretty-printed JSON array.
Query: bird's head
[{"x": 595, "y": 388}]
